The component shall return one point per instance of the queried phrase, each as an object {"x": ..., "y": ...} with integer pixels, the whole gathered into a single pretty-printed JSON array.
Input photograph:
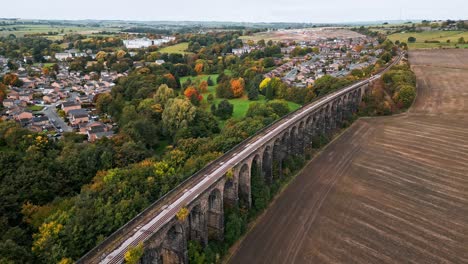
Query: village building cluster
[
  {"x": 336, "y": 57},
  {"x": 60, "y": 104}
]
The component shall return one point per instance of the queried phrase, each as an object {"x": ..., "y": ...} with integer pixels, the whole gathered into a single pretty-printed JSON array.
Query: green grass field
[
  {"x": 19, "y": 30},
  {"x": 35, "y": 108},
  {"x": 441, "y": 36},
  {"x": 177, "y": 48},
  {"x": 241, "y": 105}
]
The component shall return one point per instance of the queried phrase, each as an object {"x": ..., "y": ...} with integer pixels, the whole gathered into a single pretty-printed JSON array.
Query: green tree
[
  {"x": 411, "y": 39},
  {"x": 163, "y": 94},
  {"x": 102, "y": 102},
  {"x": 178, "y": 114},
  {"x": 279, "y": 107},
  {"x": 225, "y": 109}
]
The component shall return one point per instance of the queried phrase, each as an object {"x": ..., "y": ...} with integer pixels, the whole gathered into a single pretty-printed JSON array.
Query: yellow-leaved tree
[{"x": 134, "y": 254}]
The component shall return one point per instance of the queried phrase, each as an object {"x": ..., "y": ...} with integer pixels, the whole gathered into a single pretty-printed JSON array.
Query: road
[
  {"x": 157, "y": 215},
  {"x": 389, "y": 190},
  {"x": 51, "y": 113}
]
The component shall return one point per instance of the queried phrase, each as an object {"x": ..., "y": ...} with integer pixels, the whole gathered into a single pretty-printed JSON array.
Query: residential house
[
  {"x": 69, "y": 106},
  {"x": 77, "y": 116},
  {"x": 8, "y": 103}
]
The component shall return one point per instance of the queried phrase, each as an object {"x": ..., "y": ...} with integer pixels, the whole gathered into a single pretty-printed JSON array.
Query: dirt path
[{"x": 389, "y": 190}]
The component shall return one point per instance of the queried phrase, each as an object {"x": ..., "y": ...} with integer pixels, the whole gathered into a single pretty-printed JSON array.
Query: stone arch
[
  {"x": 326, "y": 119},
  {"x": 256, "y": 166},
  {"x": 174, "y": 249},
  {"x": 197, "y": 225},
  {"x": 267, "y": 169},
  {"x": 303, "y": 135},
  {"x": 333, "y": 115},
  {"x": 230, "y": 191},
  {"x": 152, "y": 255},
  {"x": 315, "y": 125},
  {"x": 244, "y": 186},
  {"x": 340, "y": 111},
  {"x": 215, "y": 219},
  {"x": 277, "y": 158},
  {"x": 294, "y": 140},
  {"x": 301, "y": 128},
  {"x": 285, "y": 139}
]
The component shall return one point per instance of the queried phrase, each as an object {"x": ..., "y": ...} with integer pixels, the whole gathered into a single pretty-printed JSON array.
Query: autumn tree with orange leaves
[
  {"x": 203, "y": 86},
  {"x": 199, "y": 68},
  {"x": 193, "y": 95},
  {"x": 237, "y": 87},
  {"x": 3, "y": 92}
]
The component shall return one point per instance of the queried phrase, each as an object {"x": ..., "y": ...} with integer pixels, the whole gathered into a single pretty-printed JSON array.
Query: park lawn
[
  {"x": 46, "y": 64},
  {"x": 241, "y": 105},
  {"x": 421, "y": 37},
  {"x": 35, "y": 108},
  {"x": 180, "y": 48}
]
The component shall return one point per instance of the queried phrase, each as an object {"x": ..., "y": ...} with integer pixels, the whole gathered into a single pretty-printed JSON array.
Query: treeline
[
  {"x": 394, "y": 93},
  {"x": 37, "y": 170}
]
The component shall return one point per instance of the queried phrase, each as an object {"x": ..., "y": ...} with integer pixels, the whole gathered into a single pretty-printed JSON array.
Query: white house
[
  {"x": 146, "y": 42},
  {"x": 63, "y": 56}
]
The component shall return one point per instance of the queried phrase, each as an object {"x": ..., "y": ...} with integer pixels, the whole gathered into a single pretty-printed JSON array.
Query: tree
[
  {"x": 237, "y": 87},
  {"x": 163, "y": 94},
  {"x": 199, "y": 68},
  {"x": 411, "y": 39},
  {"x": 210, "y": 81},
  {"x": 225, "y": 109},
  {"x": 406, "y": 95},
  {"x": 102, "y": 102},
  {"x": 223, "y": 90},
  {"x": 280, "y": 107},
  {"x": 386, "y": 56},
  {"x": 121, "y": 54},
  {"x": 101, "y": 56},
  {"x": 178, "y": 114},
  {"x": 134, "y": 254},
  {"x": 203, "y": 86},
  {"x": 268, "y": 62},
  {"x": 264, "y": 83},
  {"x": 11, "y": 79},
  {"x": 193, "y": 95},
  {"x": 210, "y": 98},
  {"x": 3, "y": 92},
  {"x": 461, "y": 40},
  {"x": 252, "y": 92}
]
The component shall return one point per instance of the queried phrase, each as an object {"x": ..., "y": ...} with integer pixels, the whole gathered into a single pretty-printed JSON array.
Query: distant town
[{"x": 65, "y": 101}]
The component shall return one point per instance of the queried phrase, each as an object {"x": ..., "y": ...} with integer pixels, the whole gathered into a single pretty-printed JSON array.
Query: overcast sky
[{"x": 320, "y": 11}]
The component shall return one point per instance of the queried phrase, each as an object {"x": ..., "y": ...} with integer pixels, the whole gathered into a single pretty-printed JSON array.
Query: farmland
[
  {"x": 440, "y": 36},
  {"x": 388, "y": 190},
  {"x": 20, "y": 30}
]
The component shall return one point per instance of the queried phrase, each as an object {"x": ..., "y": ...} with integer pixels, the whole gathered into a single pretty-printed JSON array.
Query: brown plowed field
[{"x": 389, "y": 190}]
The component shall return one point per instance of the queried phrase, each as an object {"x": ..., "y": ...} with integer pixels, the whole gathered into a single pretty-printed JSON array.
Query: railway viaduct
[{"x": 226, "y": 182}]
